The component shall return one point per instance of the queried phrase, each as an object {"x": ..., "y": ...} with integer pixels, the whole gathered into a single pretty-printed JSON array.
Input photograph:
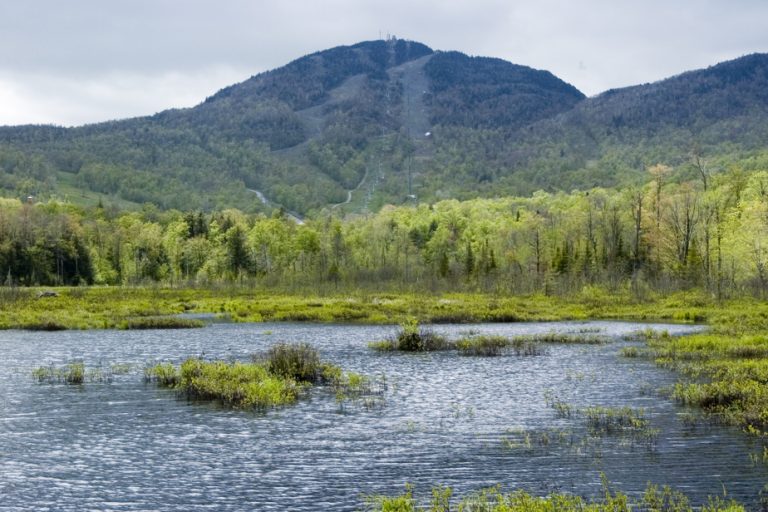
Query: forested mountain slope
[{"x": 386, "y": 122}]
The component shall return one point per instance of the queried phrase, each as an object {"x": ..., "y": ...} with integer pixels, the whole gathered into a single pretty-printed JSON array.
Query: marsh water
[{"x": 467, "y": 422}]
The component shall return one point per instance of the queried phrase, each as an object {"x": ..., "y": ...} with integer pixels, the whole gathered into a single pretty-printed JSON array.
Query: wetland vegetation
[
  {"x": 495, "y": 499},
  {"x": 277, "y": 378}
]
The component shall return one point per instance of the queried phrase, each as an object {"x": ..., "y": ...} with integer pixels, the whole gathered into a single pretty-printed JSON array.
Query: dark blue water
[{"x": 446, "y": 419}]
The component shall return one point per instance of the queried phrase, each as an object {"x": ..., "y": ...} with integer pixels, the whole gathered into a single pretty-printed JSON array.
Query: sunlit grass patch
[
  {"x": 443, "y": 499},
  {"x": 278, "y": 377},
  {"x": 242, "y": 385}
]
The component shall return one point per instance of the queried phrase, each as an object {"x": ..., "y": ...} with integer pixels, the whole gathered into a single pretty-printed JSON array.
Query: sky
[{"x": 72, "y": 62}]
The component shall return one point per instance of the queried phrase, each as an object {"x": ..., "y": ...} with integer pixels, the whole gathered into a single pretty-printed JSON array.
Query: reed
[
  {"x": 564, "y": 338},
  {"x": 483, "y": 345},
  {"x": 161, "y": 322},
  {"x": 73, "y": 374}
]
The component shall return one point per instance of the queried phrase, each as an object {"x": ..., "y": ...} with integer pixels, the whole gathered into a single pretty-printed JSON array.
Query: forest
[
  {"x": 708, "y": 232},
  {"x": 355, "y": 118}
]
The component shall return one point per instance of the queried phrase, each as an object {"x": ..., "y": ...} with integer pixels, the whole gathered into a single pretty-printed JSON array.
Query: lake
[{"x": 447, "y": 419}]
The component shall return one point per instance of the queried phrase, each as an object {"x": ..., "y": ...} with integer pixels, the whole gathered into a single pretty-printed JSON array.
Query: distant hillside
[{"x": 355, "y": 127}]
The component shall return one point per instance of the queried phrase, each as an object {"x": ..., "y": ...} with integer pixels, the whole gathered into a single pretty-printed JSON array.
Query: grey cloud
[{"x": 595, "y": 45}]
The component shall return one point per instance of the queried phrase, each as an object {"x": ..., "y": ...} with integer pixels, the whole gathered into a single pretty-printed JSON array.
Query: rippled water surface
[{"x": 446, "y": 419}]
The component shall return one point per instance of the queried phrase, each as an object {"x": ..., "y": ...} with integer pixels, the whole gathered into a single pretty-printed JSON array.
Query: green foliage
[
  {"x": 630, "y": 352},
  {"x": 494, "y": 499},
  {"x": 493, "y": 346},
  {"x": 237, "y": 384},
  {"x": 413, "y": 337},
  {"x": 161, "y": 322},
  {"x": 594, "y": 245},
  {"x": 164, "y": 374},
  {"x": 300, "y": 362},
  {"x": 72, "y": 373},
  {"x": 483, "y": 92},
  {"x": 355, "y": 118},
  {"x": 276, "y": 378},
  {"x": 562, "y": 338},
  {"x": 615, "y": 420}
]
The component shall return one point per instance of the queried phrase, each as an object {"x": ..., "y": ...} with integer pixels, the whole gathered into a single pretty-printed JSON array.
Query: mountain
[{"x": 384, "y": 121}]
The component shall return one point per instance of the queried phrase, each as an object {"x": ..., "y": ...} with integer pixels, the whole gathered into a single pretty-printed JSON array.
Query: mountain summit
[{"x": 387, "y": 121}]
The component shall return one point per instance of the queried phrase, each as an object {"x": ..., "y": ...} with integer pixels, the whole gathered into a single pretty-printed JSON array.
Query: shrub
[
  {"x": 413, "y": 337},
  {"x": 299, "y": 362}
]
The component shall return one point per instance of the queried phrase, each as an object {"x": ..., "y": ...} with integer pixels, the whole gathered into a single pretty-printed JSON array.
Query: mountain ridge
[{"x": 391, "y": 120}]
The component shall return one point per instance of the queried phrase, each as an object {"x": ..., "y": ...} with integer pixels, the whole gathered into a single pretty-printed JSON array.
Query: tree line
[{"x": 709, "y": 233}]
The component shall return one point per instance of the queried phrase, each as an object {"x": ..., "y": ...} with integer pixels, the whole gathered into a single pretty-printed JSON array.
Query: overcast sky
[{"x": 71, "y": 62}]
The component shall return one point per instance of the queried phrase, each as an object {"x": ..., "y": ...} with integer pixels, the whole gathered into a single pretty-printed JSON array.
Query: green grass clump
[
  {"x": 72, "y": 373},
  {"x": 412, "y": 337},
  {"x": 564, "y": 338},
  {"x": 725, "y": 374},
  {"x": 278, "y": 377},
  {"x": 630, "y": 352},
  {"x": 300, "y": 362},
  {"x": 493, "y": 499},
  {"x": 611, "y": 420},
  {"x": 164, "y": 374},
  {"x": 486, "y": 345},
  {"x": 482, "y": 345},
  {"x": 241, "y": 385},
  {"x": 162, "y": 322}
]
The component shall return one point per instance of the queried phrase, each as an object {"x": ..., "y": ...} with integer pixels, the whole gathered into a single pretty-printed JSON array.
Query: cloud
[{"x": 66, "y": 100}]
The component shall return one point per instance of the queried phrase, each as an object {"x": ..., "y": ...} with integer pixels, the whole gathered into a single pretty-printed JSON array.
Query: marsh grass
[
  {"x": 45, "y": 325},
  {"x": 482, "y": 345},
  {"x": 630, "y": 352},
  {"x": 73, "y": 374},
  {"x": 565, "y": 338},
  {"x": 725, "y": 375},
  {"x": 300, "y": 362},
  {"x": 493, "y": 499},
  {"x": 161, "y": 322},
  {"x": 413, "y": 337},
  {"x": 111, "y": 307},
  {"x": 623, "y": 422},
  {"x": 120, "y": 368},
  {"x": 239, "y": 385},
  {"x": 615, "y": 420},
  {"x": 489, "y": 345},
  {"x": 278, "y": 377}
]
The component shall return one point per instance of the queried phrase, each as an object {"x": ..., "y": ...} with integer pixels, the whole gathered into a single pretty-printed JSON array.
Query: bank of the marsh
[{"x": 125, "y": 307}]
